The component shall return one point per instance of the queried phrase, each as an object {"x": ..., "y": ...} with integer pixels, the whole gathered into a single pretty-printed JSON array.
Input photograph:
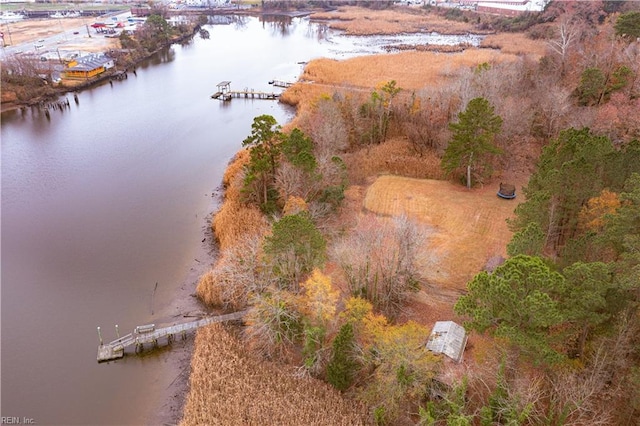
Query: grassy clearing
[
  {"x": 469, "y": 226},
  {"x": 231, "y": 387}
]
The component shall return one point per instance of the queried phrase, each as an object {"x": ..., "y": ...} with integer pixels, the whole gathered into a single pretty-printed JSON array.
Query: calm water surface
[{"x": 112, "y": 196}]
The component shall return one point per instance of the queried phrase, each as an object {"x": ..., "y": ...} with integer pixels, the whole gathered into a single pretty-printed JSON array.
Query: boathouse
[{"x": 86, "y": 67}]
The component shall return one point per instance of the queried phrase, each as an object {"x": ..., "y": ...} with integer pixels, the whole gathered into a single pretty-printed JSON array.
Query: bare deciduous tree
[
  {"x": 327, "y": 127},
  {"x": 274, "y": 324},
  {"x": 568, "y": 33},
  {"x": 381, "y": 260},
  {"x": 239, "y": 272}
]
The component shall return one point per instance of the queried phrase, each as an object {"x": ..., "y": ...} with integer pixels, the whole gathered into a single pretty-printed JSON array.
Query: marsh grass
[
  {"x": 236, "y": 219},
  {"x": 411, "y": 70},
  {"x": 361, "y": 21},
  {"x": 230, "y": 386},
  {"x": 392, "y": 157},
  {"x": 515, "y": 44}
]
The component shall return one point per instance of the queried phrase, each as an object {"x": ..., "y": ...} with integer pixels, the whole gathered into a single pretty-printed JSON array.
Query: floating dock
[{"x": 149, "y": 334}]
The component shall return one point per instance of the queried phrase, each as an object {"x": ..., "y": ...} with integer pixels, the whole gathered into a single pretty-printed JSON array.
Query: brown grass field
[{"x": 468, "y": 225}]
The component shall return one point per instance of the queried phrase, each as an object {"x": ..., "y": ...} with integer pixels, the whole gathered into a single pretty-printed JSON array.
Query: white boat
[
  {"x": 8, "y": 16},
  {"x": 60, "y": 15}
]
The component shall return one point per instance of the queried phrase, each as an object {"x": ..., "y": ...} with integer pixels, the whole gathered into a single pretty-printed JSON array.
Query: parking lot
[{"x": 45, "y": 35}]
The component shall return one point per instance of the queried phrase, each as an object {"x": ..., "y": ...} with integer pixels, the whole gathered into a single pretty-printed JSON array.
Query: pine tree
[{"x": 472, "y": 139}]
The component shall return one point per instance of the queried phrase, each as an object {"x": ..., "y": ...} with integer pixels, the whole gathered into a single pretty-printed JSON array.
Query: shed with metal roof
[{"x": 448, "y": 338}]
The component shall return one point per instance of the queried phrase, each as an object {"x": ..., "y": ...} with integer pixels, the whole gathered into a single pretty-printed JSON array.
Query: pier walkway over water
[
  {"x": 225, "y": 93},
  {"x": 150, "y": 334}
]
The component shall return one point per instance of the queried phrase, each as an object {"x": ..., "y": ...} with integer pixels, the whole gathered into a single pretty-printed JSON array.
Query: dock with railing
[
  {"x": 224, "y": 93},
  {"x": 149, "y": 334}
]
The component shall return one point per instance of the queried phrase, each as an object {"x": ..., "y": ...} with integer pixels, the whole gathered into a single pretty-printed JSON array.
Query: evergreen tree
[
  {"x": 342, "y": 366},
  {"x": 572, "y": 169},
  {"x": 294, "y": 248},
  {"x": 298, "y": 150},
  {"x": 472, "y": 139},
  {"x": 628, "y": 25},
  {"x": 264, "y": 145},
  {"x": 519, "y": 302}
]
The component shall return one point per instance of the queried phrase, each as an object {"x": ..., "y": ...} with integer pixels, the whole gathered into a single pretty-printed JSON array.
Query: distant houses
[{"x": 500, "y": 7}]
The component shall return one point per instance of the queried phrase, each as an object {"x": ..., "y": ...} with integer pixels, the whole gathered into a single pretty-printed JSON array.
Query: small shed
[{"x": 448, "y": 338}]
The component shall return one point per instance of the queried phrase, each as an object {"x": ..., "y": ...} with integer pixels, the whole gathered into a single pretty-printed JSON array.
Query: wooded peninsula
[{"x": 350, "y": 231}]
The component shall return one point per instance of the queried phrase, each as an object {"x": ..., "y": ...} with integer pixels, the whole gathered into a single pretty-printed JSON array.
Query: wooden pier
[
  {"x": 149, "y": 334},
  {"x": 281, "y": 83},
  {"x": 225, "y": 93}
]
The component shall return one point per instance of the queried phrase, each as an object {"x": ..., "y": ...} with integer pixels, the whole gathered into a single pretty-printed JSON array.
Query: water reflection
[
  {"x": 163, "y": 56},
  {"x": 279, "y": 24}
]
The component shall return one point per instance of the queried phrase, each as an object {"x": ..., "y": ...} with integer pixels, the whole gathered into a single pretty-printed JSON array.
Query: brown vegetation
[
  {"x": 362, "y": 21},
  {"x": 397, "y": 177},
  {"x": 411, "y": 70},
  {"x": 236, "y": 219},
  {"x": 515, "y": 43},
  {"x": 230, "y": 386},
  {"x": 397, "y": 157},
  {"x": 468, "y": 226}
]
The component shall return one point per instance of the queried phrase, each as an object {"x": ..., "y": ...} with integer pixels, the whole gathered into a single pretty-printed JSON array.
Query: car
[
  {"x": 76, "y": 32},
  {"x": 41, "y": 40}
]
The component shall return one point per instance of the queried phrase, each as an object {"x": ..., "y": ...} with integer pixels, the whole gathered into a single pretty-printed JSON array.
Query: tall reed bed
[
  {"x": 395, "y": 157},
  {"x": 236, "y": 219},
  {"x": 361, "y": 21},
  {"x": 410, "y": 69},
  {"x": 230, "y": 386}
]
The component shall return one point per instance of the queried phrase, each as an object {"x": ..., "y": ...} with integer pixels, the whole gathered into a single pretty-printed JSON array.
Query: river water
[{"x": 105, "y": 207}]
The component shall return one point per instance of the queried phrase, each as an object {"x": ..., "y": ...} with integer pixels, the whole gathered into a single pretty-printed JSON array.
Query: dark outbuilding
[{"x": 507, "y": 191}]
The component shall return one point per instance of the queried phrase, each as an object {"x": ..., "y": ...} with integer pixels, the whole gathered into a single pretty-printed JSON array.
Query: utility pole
[{"x": 9, "y": 32}]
